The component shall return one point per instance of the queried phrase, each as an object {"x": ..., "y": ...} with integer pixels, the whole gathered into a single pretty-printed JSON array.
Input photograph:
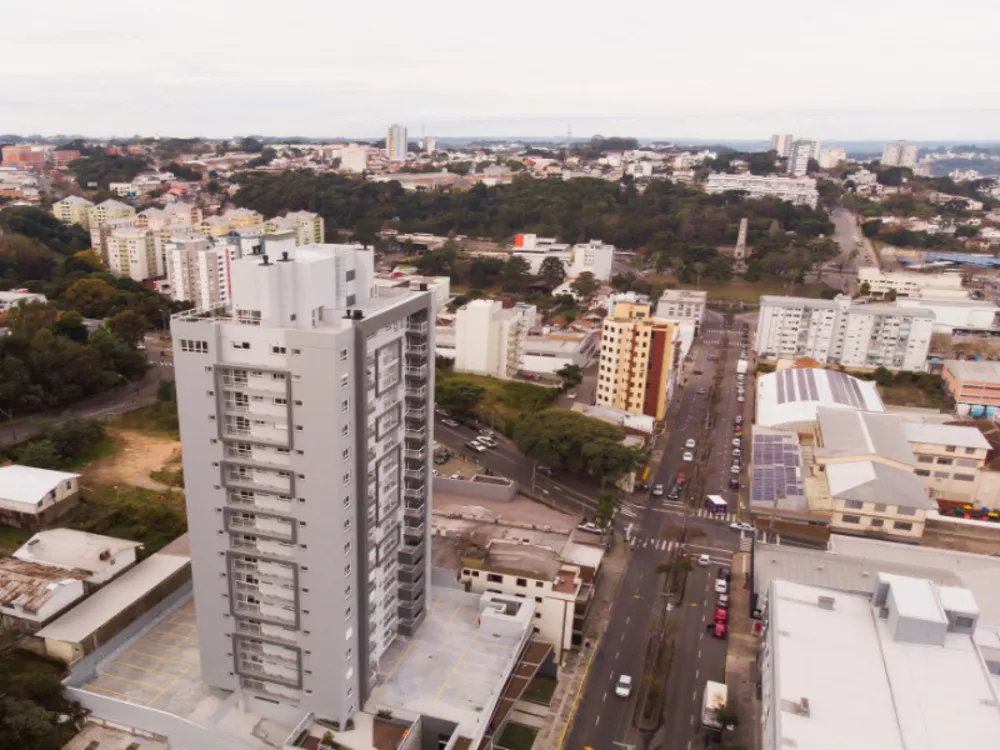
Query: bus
[
  {"x": 716, "y": 504},
  {"x": 715, "y": 697}
]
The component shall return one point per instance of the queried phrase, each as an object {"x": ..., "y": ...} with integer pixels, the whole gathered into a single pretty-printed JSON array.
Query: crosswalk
[
  {"x": 716, "y": 555},
  {"x": 672, "y": 506}
]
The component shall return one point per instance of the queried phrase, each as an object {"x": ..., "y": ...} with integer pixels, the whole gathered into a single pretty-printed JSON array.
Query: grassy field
[
  {"x": 11, "y": 538},
  {"x": 156, "y": 419},
  {"x": 744, "y": 291},
  {"x": 506, "y": 401},
  {"x": 909, "y": 394},
  {"x": 517, "y": 737},
  {"x": 540, "y": 690}
]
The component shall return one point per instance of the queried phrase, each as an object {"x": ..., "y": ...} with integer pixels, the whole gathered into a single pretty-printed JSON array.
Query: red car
[
  {"x": 719, "y": 631},
  {"x": 721, "y": 616},
  {"x": 681, "y": 479}
]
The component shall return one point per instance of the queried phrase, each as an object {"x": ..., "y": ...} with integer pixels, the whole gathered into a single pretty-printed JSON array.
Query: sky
[{"x": 851, "y": 70}]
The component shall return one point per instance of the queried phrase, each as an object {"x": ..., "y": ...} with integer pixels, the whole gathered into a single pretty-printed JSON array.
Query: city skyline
[{"x": 95, "y": 75}]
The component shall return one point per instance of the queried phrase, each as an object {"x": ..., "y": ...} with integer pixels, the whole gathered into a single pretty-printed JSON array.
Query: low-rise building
[
  {"x": 104, "y": 212},
  {"x": 32, "y": 594},
  {"x": 31, "y": 498},
  {"x": 561, "y": 590},
  {"x": 682, "y": 306},
  {"x": 950, "y": 459},
  {"x": 308, "y": 228},
  {"x": 101, "y": 558},
  {"x": 831, "y": 156},
  {"x": 973, "y": 385},
  {"x": 897, "y": 666},
  {"x": 593, "y": 257},
  {"x": 790, "y": 399},
  {"x": 912, "y": 284},
  {"x": 489, "y": 340},
  {"x": 73, "y": 210},
  {"x": 956, "y": 315},
  {"x": 16, "y": 296},
  {"x": 800, "y": 191}
]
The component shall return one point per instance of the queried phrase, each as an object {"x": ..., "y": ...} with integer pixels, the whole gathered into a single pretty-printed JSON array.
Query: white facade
[
  {"x": 782, "y": 144},
  {"x": 798, "y": 190},
  {"x": 489, "y": 340},
  {"x": 17, "y": 296},
  {"x": 839, "y": 332},
  {"x": 395, "y": 143},
  {"x": 831, "y": 156},
  {"x": 955, "y": 314},
  {"x": 682, "y": 306},
  {"x": 798, "y": 159},
  {"x": 100, "y": 557},
  {"x": 900, "y": 154},
  {"x": 132, "y": 252},
  {"x": 306, "y": 433},
  {"x": 594, "y": 257},
  {"x": 28, "y": 490},
  {"x": 198, "y": 270},
  {"x": 913, "y": 284},
  {"x": 354, "y": 158}
]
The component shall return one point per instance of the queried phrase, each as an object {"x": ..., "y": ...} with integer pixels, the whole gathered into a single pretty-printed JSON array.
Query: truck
[
  {"x": 714, "y": 698},
  {"x": 742, "y": 366}
]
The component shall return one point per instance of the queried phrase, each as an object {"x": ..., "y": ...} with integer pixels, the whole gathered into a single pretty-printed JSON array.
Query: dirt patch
[{"x": 135, "y": 456}]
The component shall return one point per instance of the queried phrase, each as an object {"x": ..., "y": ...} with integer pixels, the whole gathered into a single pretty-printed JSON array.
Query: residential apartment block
[
  {"x": 395, "y": 143},
  {"x": 899, "y": 154},
  {"x": 305, "y": 422},
  {"x": 798, "y": 159},
  {"x": 912, "y": 284},
  {"x": 133, "y": 252},
  {"x": 489, "y": 340},
  {"x": 798, "y": 190},
  {"x": 198, "y": 269},
  {"x": 73, "y": 210},
  {"x": 682, "y": 306},
  {"x": 308, "y": 228},
  {"x": 104, "y": 212},
  {"x": 831, "y": 156},
  {"x": 782, "y": 145},
  {"x": 950, "y": 459},
  {"x": 841, "y": 332},
  {"x": 973, "y": 385},
  {"x": 24, "y": 157},
  {"x": 593, "y": 257},
  {"x": 639, "y": 358}
]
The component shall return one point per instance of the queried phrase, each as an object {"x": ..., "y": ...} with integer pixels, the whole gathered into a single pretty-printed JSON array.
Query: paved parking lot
[{"x": 160, "y": 668}]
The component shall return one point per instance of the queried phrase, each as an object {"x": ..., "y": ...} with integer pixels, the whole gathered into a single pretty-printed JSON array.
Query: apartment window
[
  {"x": 922, "y": 472},
  {"x": 925, "y": 459},
  {"x": 877, "y": 523},
  {"x": 347, "y": 614},
  {"x": 854, "y": 504},
  {"x": 347, "y": 525},
  {"x": 296, "y": 351},
  {"x": 970, "y": 451},
  {"x": 538, "y": 600},
  {"x": 349, "y": 276},
  {"x": 965, "y": 477},
  {"x": 494, "y": 578},
  {"x": 950, "y": 448},
  {"x": 347, "y": 478},
  {"x": 278, "y": 350},
  {"x": 904, "y": 511},
  {"x": 946, "y": 461},
  {"x": 539, "y": 584},
  {"x": 851, "y": 519},
  {"x": 241, "y": 345},
  {"x": 343, "y": 355},
  {"x": 349, "y": 654},
  {"x": 345, "y": 430},
  {"x": 523, "y": 582},
  {"x": 346, "y": 454},
  {"x": 347, "y": 548},
  {"x": 902, "y": 525},
  {"x": 344, "y": 380},
  {"x": 880, "y": 507},
  {"x": 347, "y": 592},
  {"x": 941, "y": 475},
  {"x": 344, "y": 405},
  {"x": 347, "y": 502},
  {"x": 347, "y": 570}
]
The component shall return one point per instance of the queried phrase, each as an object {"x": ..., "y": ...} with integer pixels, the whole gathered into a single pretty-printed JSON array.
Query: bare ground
[{"x": 135, "y": 456}]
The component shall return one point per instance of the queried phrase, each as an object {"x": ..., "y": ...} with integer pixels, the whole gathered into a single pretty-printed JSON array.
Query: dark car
[
  {"x": 545, "y": 470},
  {"x": 724, "y": 574},
  {"x": 734, "y": 483}
]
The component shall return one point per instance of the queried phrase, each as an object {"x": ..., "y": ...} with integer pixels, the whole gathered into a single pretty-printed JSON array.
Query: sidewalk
[
  {"x": 573, "y": 672},
  {"x": 741, "y": 658}
]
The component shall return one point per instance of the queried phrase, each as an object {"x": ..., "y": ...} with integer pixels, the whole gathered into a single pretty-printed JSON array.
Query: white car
[
  {"x": 688, "y": 456},
  {"x": 487, "y": 441},
  {"x": 739, "y": 526},
  {"x": 737, "y": 443},
  {"x": 704, "y": 560},
  {"x": 721, "y": 586},
  {"x": 689, "y": 443},
  {"x": 623, "y": 688},
  {"x": 734, "y": 469},
  {"x": 477, "y": 447},
  {"x": 657, "y": 490}
]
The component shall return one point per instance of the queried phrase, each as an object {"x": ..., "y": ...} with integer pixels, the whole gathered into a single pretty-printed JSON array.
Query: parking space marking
[
  {"x": 455, "y": 666},
  {"x": 162, "y": 658},
  {"x": 142, "y": 669},
  {"x": 168, "y": 686},
  {"x": 126, "y": 679},
  {"x": 126, "y": 696}
]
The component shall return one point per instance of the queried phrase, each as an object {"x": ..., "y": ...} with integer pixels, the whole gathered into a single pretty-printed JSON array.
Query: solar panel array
[
  {"x": 802, "y": 384},
  {"x": 777, "y": 471}
]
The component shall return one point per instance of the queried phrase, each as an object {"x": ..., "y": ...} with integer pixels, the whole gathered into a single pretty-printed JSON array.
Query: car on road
[
  {"x": 721, "y": 586},
  {"x": 487, "y": 441},
  {"x": 589, "y": 526},
  {"x": 724, "y": 574},
  {"x": 736, "y": 452},
  {"x": 698, "y": 372},
  {"x": 702, "y": 391},
  {"x": 719, "y": 631},
  {"x": 675, "y": 493},
  {"x": 734, "y": 483},
  {"x": 476, "y": 446},
  {"x": 711, "y": 357},
  {"x": 450, "y": 422},
  {"x": 738, "y": 419},
  {"x": 738, "y": 431},
  {"x": 704, "y": 560},
  {"x": 681, "y": 478},
  {"x": 657, "y": 490},
  {"x": 688, "y": 456},
  {"x": 740, "y": 526},
  {"x": 689, "y": 443},
  {"x": 737, "y": 443},
  {"x": 546, "y": 471},
  {"x": 721, "y": 615},
  {"x": 734, "y": 469},
  {"x": 623, "y": 688},
  {"x": 487, "y": 433},
  {"x": 722, "y": 601}
]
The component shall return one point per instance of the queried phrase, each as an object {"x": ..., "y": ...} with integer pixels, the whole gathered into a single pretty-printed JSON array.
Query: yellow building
[
  {"x": 73, "y": 210},
  {"x": 309, "y": 228},
  {"x": 639, "y": 358},
  {"x": 243, "y": 217}
]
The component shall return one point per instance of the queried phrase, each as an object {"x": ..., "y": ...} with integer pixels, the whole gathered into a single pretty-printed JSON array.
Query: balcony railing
[
  {"x": 415, "y": 434},
  {"x": 413, "y": 492},
  {"x": 414, "y": 531},
  {"x": 416, "y": 413},
  {"x": 417, "y": 350},
  {"x": 416, "y": 393},
  {"x": 421, "y": 326},
  {"x": 415, "y": 473},
  {"x": 415, "y": 454}
]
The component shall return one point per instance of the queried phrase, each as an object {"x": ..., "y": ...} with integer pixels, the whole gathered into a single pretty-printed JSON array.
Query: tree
[
  {"x": 883, "y": 377},
  {"x": 251, "y": 146},
  {"x": 871, "y": 228},
  {"x": 70, "y": 325},
  {"x": 699, "y": 269},
  {"x": 552, "y": 268},
  {"x": 585, "y": 286},
  {"x": 89, "y": 295},
  {"x": 28, "y": 318},
  {"x": 607, "y": 506},
  {"x": 458, "y": 395},
  {"x": 24, "y": 724},
  {"x": 129, "y": 326},
  {"x": 572, "y": 376},
  {"x": 515, "y": 273},
  {"x": 39, "y": 453}
]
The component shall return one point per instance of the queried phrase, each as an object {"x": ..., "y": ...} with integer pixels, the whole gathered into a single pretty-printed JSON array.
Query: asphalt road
[
  {"x": 603, "y": 721},
  {"x": 103, "y": 405}
]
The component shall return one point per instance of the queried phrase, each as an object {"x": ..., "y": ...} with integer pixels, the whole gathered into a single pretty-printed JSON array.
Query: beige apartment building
[
  {"x": 132, "y": 252},
  {"x": 950, "y": 459},
  {"x": 73, "y": 210},
  {"x": 104, "y": 212},
  {"x": 639, "y": 357},
  {"x": 562, "y": 590},
  {"x": 308, "y": 228}
]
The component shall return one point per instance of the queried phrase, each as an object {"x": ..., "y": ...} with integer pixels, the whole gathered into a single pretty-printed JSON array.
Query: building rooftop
[
  {"x": 77, "y": 200},
  {"x": 860, "y": 433},
  {"x": 27, "y": 485},
  {"x": 112, "y": 203},
  {"x": 683, "y": 295},
  {"x": 73, "y": 550},
  {"x": 528, "y": 560},
  {"x": 945, "y": 434},
  {"x": 793, "y": 396},
  {"x": 106, "y": 604},
  {"x": 29, "y": 586},
  {"x": 875, "y": 482},
  {"x": 981, "y": 371},
  {"x": 843, "y": 678}
]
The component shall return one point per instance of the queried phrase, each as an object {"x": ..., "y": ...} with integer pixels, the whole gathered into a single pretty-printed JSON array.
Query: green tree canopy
[
  {"x": 585, "y": 286},
  {"x": 552, "y": 268},
  {"x": 458, "y": 395}
]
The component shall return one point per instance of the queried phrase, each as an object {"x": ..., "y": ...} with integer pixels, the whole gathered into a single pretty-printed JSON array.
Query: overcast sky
[{"x": 851, "y": 70}]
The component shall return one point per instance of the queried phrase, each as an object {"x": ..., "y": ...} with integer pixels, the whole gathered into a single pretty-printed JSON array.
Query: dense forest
[{"x": 572, "y": 210}]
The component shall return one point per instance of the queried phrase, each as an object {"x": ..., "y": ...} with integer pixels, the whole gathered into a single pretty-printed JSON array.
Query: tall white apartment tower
[
  {"x": 798, "y": 160},
  {"x": 782, "y": 144},
  {"x": 395, "y": 143},
  {"x": 304, "y": 419},
  {"x": 900, "y": 154}
]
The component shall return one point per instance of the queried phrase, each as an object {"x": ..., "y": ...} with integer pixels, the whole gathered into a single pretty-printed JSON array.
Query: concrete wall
[{"x": 480, "y": 487}]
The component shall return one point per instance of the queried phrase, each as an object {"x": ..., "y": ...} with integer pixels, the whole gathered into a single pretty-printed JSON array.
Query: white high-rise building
[
  {"x": 429, "y": 144},
  {"x": 354, "y": 158},
  {"x": 395, "y": 143},
  {"x": 831, "y": 156},
  {"x": 306, "y": 429},
  {"x": 798, "y": 160},
  {"x": 489, "y": 340},
  {"x": 198, "y": 269},
  {"x": 782, "y": 145},
  {"x": 900, "y": 154},
  {"x": 132, "y": 251},
  {"x": 838, "y": 331}
]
